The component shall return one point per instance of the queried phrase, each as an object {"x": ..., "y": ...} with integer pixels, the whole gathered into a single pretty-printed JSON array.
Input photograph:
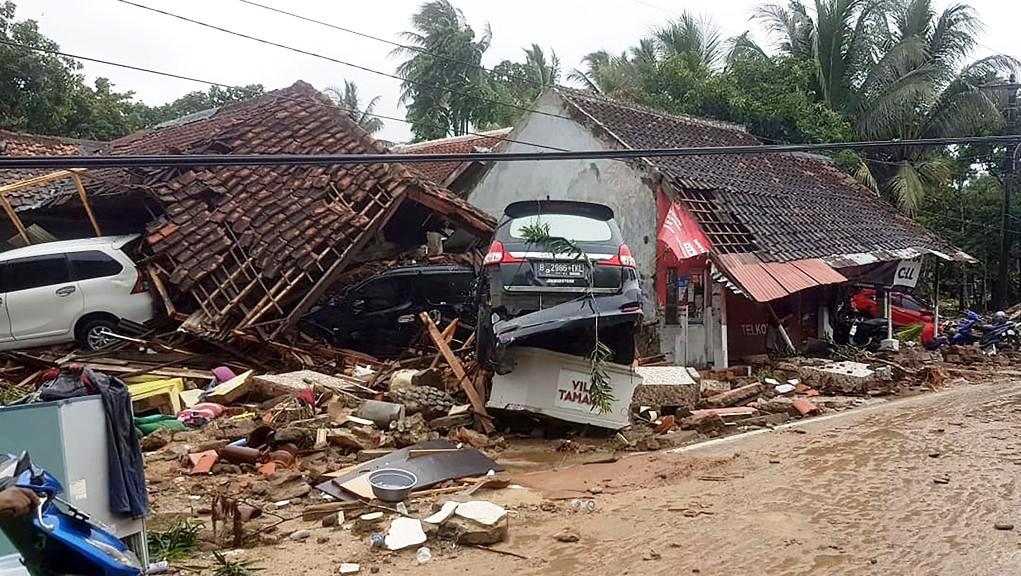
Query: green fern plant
[
  {"x": 600, "y": 392},
  {"x": 227, "y": 567},
  {"x": 174, "y": 543}
]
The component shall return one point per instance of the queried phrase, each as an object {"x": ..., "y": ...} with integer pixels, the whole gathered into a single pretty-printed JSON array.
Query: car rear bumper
[{"x": 582, "y": 313}]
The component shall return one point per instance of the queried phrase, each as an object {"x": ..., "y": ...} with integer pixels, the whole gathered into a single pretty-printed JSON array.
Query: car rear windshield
[{"x": 569, "y": 226}]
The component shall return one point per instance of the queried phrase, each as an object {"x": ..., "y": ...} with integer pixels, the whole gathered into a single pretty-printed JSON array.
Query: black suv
[
  {"x": 379, "y": 315},
  {"x": 535, "y": 296}
]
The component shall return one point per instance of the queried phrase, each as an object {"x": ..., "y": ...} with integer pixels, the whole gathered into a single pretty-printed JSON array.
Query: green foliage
[
  {"x": 228, "y": 567},
  {"x": 446, "y": 91},
  {"x": 46, "y": 94},
  {"x": 599, "y": 379},
  {"x": 911, "y": 333},
  {"x": 348, "y": 99},
  {"x": 520, "y": 83},
  {"x": 192, "y": 102},
  {"x": 174, "y": 543}
]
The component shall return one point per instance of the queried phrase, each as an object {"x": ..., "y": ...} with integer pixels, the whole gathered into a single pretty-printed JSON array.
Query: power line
[
  {"x": 204, "y": 160},
  {"x": 390, "y": 42},
  {"x": 226, "y": 85},
  {"x": 341, "y": 62}
]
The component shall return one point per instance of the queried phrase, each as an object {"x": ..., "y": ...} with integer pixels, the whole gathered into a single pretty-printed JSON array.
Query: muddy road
[{"x": 910, "y": 487}]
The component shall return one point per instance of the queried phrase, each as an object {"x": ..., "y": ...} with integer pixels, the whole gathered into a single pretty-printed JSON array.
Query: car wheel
[{"x": 91, "y": 334}]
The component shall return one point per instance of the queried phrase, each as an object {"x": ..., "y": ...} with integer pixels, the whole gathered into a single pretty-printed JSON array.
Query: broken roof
[
  {"x": 782, "y": 207},
  {"x": 21, "y": 144},
  {"x": 443, "y": 173},
  {"x": 247, "y": 242}
]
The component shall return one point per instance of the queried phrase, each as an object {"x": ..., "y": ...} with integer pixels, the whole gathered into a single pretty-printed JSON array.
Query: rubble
[{"x": 735, "y": 396}]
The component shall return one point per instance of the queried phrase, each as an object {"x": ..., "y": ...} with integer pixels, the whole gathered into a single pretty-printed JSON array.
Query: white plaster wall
[{"x": 608, "y": 182}]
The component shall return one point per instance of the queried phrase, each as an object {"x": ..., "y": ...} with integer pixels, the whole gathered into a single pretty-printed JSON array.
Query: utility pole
[{"x": 1001, "y": 288}]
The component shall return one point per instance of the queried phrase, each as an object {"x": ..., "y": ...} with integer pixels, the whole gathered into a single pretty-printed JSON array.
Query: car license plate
[{"x": 561, "y": 269}]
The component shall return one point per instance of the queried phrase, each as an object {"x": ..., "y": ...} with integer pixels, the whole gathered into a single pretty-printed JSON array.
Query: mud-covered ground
[{"x": 856, "y": 493}]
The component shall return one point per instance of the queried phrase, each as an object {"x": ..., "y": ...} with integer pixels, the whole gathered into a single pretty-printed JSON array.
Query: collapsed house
[
  {"x": 729, "y": 247},
  {"x": 246, "y": 251}
]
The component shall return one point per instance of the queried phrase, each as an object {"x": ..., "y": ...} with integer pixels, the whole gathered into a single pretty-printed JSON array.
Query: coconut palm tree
[
  {"x": 894, "y": 69},
  {"x": 445, "y": 87},
  {"x": 542, "y": 71},
  {"x": 697, "y": 39},
  {"x": 347, "y": 98}
]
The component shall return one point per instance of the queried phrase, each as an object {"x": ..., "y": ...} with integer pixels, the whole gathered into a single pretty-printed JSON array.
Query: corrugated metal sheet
[{"x": 764, "y": 282}]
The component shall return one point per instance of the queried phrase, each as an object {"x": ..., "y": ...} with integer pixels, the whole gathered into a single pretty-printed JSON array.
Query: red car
[{"x": 907, "y": 311}]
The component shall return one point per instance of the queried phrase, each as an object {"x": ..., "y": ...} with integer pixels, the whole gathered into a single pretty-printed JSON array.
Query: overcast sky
[{"x": 114, "y": 31}]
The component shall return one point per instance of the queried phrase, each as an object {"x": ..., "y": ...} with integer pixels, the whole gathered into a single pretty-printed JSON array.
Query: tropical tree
[
  {"x": 894, "y": 69},
  {"x": 445, "y": 89},
  {"x": 347, "y": 98},
  {"x": 696, "y": 39}
]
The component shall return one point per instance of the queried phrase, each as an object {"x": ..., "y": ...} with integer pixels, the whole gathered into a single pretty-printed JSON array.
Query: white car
[{"x": 73, "y": 290}]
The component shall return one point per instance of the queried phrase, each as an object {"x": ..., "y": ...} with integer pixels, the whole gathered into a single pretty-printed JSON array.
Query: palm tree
[
  {"x": 893, "y": 68},
  {"x": 697, "y": 39},
  {"x": 445, "y": 86},
  {"x": 540, "y": 71},
  {"x": 348, "y": 100}
]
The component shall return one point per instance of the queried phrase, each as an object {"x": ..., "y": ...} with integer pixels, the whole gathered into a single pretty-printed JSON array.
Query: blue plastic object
[{"x": 59, "y": 539}]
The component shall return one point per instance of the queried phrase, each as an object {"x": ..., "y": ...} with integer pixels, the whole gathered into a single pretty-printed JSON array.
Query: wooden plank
[
  {"x": 14, "y": 218},
  {"x": 136, "y": 369},
  {"x": 161, "y": 289},
  {"x": 85, "y": 202},
  {"x": 319, "y": 511},
  {"x": 28, "y": 183},
  {"x": 448, "y": 336},
  {"x": 333, "y": 272},
  {"x": 478, "y": 405},
  {"x": 359, "y": 486}
]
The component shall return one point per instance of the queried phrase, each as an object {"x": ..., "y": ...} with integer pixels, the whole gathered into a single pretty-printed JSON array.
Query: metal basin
[{"x": 392, "y": 484}]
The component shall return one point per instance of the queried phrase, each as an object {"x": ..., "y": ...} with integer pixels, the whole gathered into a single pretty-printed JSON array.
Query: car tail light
[
  {"x": 140, "y": 284},
  {"x": 631, "y": 307},
  {"x": 497, "y": 255},
  {"x": 624, "y": 259}
]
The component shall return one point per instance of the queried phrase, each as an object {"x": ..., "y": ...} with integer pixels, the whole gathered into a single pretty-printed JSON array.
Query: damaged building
[
  {"x": 244, "y": 251},
  {"x": 738, "y": 254}
]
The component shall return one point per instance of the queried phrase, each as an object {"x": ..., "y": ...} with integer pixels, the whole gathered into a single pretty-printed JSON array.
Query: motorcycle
[
  {"x": 60, "y": 539},
  {"x": 963, "y": 333},
  {"x": 1004, "y": 335},
  {"x": 858, "y": 329}
]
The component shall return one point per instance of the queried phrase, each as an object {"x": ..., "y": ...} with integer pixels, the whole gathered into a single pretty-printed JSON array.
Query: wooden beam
[
  {"x": 22, "y": 184},
  {"x": 85, "y": 202},
  {"x": 320, "y": 287},
  {"x": 161, "y": 289},
  {"x": 14, "y": 218},
  {"x": 448, "y": 336},
  {"x": 478, "y": 405}
]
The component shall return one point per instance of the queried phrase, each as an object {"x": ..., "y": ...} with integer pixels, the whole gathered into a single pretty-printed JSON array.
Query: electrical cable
[
  {"x": 342, "y": 62},
  {"x": 390, "y": 42},
  {"x": 195, "y": 160},
  {"x": 226, "y": 85}
]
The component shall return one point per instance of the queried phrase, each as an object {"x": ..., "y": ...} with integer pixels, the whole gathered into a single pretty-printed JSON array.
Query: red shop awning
[
  {"x": 680, "y": 233},
  {"x": 765, "y": 281}
]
